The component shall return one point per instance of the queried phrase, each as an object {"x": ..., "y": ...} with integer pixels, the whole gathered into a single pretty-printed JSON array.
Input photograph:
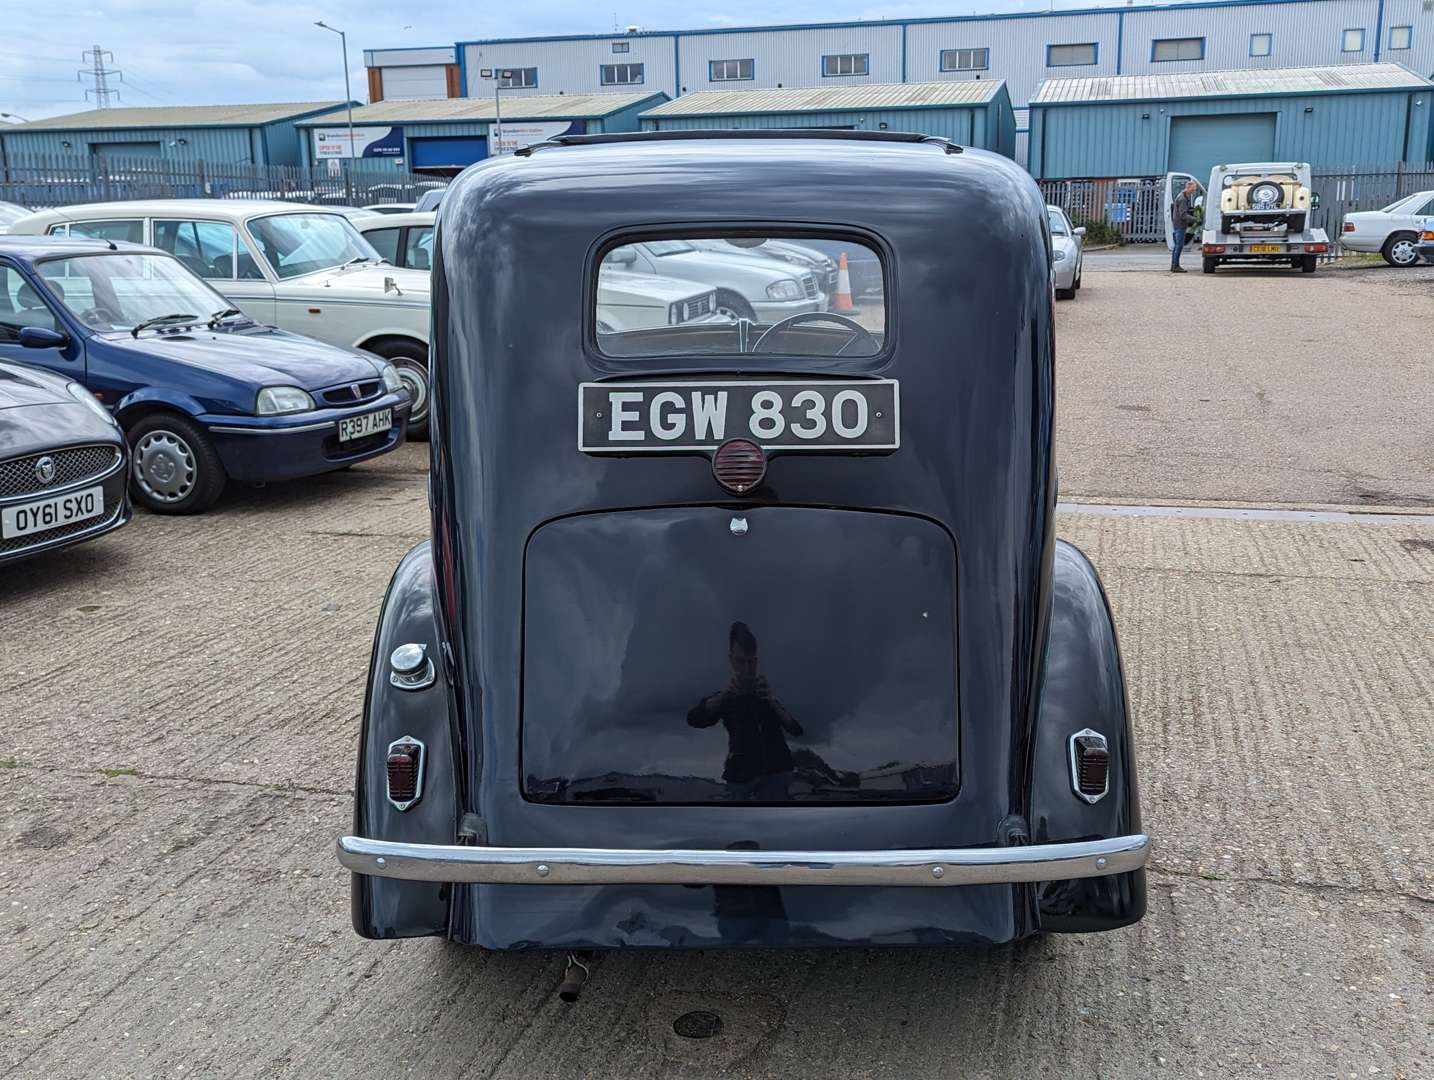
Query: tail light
[
  {"x": 739, "y": 465},
  {"x": 1349, "y": 226},
  {"x": 405, "y": 772},
  {"x": 1090, "y": 765},
  {"x": 1214, "y": 249},
  {"x": 1316, "y": 248}
]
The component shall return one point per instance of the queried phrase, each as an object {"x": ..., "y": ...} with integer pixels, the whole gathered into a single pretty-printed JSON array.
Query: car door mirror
[
  {"x": 623, "y": 256},
  {"x": 1314, "y": 201},
  {"x": 1079, "y": 230},
  {"x": 42, "y": 337}
]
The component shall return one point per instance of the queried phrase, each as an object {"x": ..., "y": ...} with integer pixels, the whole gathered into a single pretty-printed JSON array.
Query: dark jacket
[
  {"x": 756, "y": 740},
  {"x": 1182, "y": 214}
]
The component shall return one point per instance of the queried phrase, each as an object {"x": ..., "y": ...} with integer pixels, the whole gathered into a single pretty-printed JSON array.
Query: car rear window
[{"x": 817, "y": 296}]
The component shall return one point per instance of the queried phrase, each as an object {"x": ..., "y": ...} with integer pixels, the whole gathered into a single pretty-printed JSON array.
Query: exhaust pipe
[{"x": 575, "y": 977}]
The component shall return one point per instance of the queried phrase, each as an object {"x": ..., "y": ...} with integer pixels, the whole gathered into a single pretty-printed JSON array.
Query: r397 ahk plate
[{"x": 827, "y": 416}]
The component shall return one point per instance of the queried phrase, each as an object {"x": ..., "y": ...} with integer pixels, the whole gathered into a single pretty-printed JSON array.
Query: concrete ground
[{"x": 181, "y": 705}]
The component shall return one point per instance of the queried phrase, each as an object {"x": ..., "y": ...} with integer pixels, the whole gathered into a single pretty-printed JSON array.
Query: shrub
[{"x": 1102, "y": 232}]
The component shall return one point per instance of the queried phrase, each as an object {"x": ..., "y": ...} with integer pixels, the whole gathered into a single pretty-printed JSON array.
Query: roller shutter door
[{"x": 1199, "y": 143}]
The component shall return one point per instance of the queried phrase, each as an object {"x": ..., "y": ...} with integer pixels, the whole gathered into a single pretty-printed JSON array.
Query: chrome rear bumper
[{"x": 614, "y": 866}]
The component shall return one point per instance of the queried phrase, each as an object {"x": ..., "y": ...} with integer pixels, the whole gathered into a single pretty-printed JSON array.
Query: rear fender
[
  {"x": 386, "y": 907},
  {"x": 1083, "y": 686}
]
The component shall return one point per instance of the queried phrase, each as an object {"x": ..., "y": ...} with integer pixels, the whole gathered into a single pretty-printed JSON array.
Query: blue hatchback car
[{"x": 203, "y": 393}]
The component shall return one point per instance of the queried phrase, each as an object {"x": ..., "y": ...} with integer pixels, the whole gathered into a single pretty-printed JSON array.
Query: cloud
[{"x": 229, "y": 51}]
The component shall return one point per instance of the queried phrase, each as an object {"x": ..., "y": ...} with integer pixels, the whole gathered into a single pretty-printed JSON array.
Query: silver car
[
  {"x": 1067, "y": 253},
  {"x": 748, "y": 286}
]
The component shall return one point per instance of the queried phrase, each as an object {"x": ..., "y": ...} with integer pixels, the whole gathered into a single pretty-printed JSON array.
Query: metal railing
[
  {"x": 40, "y": 181},
  {"x": 1134, "y": 205}
]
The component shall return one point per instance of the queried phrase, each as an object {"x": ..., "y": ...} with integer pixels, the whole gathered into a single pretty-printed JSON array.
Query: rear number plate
[
  {"x": 1267, "y": 249},
  {"x": 835, "y": 415},
  {"x": 356, "y": 427},
  {"x": 52, "y": 513}
]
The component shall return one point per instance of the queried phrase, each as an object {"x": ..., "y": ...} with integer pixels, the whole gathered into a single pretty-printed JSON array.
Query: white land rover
[{"x": 298, "y": 267}]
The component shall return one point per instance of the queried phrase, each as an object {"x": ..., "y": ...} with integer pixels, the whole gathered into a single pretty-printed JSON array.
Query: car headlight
[
  {"x": 391, "y": 381},
  {"x": 278, "y": 400},
  {"x": 786, "y": 289},
  {"x": 89, "y": 401},
  {"x": 1227, "y": 181}
]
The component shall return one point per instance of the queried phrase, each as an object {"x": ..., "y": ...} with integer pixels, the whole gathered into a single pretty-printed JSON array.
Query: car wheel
[
  {"x": 1309, "y": 264},
  {"x": 411, "y": 361},
  {"x": 1079, "y": 268},
  {"x": 1208, "y": 265},
  {"x": 734, "y": 306},
  {"x": 1401, "y": 249},
  {"x": 175, "y": 469}
]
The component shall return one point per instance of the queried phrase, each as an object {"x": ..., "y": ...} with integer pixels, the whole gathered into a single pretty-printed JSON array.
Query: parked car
[
  {"x": 1392, "y": 232},
  {"x": 9, "y": 214},
  {"x": 863, "y": 264},
  {"x": 405, "y": 240},
  {"x": 625, "y": 301},
  {"x": 203, "y": 392},
  {"x": 1067, "y": 252},
  {"x": 824, "y": 266},
  {"x": 1258, "y": 213},
  {"x": 298, "y": 267},
  {"x": 1426, "y": 244},
  {"x": 751, "y": 287},
  {"x": 714, "y": 636},
  {"x": 430, "y": 200},
  {"x": 63, "y": 459},
  {"x": 390, "y": 207}
]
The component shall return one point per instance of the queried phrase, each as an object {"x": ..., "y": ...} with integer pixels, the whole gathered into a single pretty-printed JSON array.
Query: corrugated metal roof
[
  {"x": 797, "y": 99},
  {"x": 515, "y": 107},
  {"x": 1245, "y": 83},
  {"x": 171, "y": 116}
]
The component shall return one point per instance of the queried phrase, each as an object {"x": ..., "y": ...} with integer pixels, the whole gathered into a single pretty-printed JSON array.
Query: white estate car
[
  {"x": 298, "y": 267},
  {"x": 1067, "y": 253},
  {"x": 1394, "y": 231},
  {"x": 748, "y": 286}
]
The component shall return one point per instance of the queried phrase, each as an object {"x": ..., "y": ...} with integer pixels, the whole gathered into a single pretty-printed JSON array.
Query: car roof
[
  {"x": 396, "y": 221},
  {"x": 41, "y": 247},
  {"x": 222, "y": 209}
]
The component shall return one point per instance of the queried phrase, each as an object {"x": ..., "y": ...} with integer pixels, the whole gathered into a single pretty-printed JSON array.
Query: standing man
[{"x": 1182, "y": 216}]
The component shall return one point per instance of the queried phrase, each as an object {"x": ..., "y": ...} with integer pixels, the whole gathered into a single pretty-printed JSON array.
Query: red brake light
[
  {"x": 405, "y": 772},
  {"x": 1090, "y": 765},
  {"x": 1314, "y": 247},
  {"x": 1349, "y": 226},
  {"x": 739, "y": 465},
  {"x": 1214, "y": 249}
]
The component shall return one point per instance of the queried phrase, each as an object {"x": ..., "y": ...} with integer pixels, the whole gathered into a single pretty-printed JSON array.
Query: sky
[{"x": 202, "y": 52}]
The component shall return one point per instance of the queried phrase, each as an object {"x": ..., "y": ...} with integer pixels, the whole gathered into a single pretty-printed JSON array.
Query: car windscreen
[
  {"x": 731, "y": 295},
  {"x": 1058, "y": 223},
  {"x": 123, "y": 290},
  {"x": 296, "y": 244}
]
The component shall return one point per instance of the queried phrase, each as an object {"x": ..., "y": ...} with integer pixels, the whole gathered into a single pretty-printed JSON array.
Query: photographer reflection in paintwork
[{"x": 759, "y": 762}]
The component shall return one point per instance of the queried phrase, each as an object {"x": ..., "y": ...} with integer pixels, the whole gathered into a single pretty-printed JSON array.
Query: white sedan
[
  {"x": 1392, "y": 232},
  {"x": 1067, "y": 253}
]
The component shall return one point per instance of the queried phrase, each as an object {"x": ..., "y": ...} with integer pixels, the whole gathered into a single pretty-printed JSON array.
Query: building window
[
  {"x": 1072, "y": 55},
  {"x": 846, "y": 64},
  {"x": 1187, "y": 48},
  {"x": 965, "y": 59},
  {"x": 731, "y": 70},
  {"x": 517, "y": 78},
  {"x": 1261, "y": 44},
  {"x": 1401, "y": 37},
  {"x": 621, "y": 74},
  {"x": 620, "y": 46},
  {"x": 1353, "y": 41}
]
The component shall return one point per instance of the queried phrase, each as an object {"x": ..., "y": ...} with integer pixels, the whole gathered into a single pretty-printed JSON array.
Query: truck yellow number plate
[{"x": 1267, "y": 249}]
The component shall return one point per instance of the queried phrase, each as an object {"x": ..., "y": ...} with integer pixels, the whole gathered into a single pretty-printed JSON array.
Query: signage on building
[
  {"x": 526, "y": 133},
  {"x": 368, "y": 142}
]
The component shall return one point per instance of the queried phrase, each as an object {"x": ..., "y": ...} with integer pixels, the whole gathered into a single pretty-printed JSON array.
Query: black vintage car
[
  {"x": 64, "y": 464},
  {"x": 771, "y": 641}
]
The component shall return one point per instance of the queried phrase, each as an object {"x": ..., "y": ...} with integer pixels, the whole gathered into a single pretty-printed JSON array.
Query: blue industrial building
[
  {"x": 1373, "y": 115},
  {"x": 446, "y": 134},
  {"x": 228, "y": 134},
  {"x": 970, "y": 113}
]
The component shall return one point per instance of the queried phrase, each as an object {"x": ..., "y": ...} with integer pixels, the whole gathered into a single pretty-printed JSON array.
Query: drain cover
[{"x": 698, "y": 1024}]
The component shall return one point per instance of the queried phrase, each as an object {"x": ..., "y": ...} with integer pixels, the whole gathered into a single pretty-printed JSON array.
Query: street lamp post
[
  {"x": 348, "y": 104},
  {"x": 498, "y": 77}
]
